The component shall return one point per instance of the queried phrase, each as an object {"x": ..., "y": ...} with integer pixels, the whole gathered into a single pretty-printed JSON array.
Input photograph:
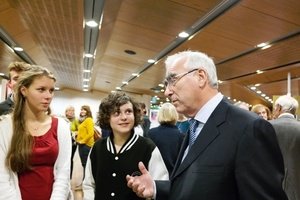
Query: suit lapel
[{"x": 207, "y": 135}]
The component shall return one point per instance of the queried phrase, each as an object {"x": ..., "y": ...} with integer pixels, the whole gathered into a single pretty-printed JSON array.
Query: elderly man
[
  {"x": 229, "y": 153},
  {"x": 287, "y": 129}
]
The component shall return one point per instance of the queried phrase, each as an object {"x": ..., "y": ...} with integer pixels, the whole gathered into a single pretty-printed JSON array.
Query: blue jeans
[{"x": 83, "y": 153}]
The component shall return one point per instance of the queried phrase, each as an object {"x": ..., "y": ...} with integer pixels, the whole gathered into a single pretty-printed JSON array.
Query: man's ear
[{"x": 202, "y": 77}]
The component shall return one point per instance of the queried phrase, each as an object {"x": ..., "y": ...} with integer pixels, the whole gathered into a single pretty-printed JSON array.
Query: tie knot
[{"x": 193, "y": 126}]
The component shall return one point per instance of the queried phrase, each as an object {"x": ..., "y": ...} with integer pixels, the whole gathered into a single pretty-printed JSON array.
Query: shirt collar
[
  {"x": 286, "y": 114},
  {"x": 205, "y": 112}
]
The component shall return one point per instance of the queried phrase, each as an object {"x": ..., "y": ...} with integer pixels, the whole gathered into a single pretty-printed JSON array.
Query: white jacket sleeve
[
  {"x": 9, "y": 185},
  {"x": 88, "y": 185},
  {"x": 61, "y": 186},
  {"x": 157, "y": 167}
]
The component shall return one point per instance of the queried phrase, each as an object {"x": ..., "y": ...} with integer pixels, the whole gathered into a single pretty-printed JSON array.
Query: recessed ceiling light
[
  {"x": 86, "y": 70},
  {"x": 183, "y": 34},
  {"x": 151, "y": 61},
  {"x": 261, "y": 44},
  {"x": 125, "y": 82},
  {"x": 18, "y": 49},
  {"x": 130, "y": 52},
  {"x": 88, "y": 55},
  {"x": 267, "y": 46},
  {"x": 91, "y": 23}
]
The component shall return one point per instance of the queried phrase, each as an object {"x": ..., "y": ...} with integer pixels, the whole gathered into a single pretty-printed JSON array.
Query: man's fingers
[{"x": 142, "y": 168}]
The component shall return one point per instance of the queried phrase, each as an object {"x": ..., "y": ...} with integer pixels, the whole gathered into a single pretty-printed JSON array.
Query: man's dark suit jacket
[
  {"x": 287, "y": 130},
  {"x": 235, "y": 157},
  {"x": 6, "y": 106}
]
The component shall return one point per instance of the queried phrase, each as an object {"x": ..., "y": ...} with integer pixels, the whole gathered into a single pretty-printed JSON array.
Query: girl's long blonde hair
[{"x": 20, "y": 149}]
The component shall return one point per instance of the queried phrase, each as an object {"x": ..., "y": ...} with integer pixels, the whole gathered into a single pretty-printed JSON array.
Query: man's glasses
[{"x": 173, "y": 79}]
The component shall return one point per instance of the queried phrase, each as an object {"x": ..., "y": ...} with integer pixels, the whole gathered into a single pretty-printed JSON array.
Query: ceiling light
[
  {"x": 118, "y": 88},
  {"x": 91, "y": 23},
  {"x": 258, "y": 92},
  {"x": 151, "y": 61},
  {"x": 56, "y": 88},
  {"x": 125, "y": 82},
  {"x": 86, "y": 79},
  {"x": 18, "y": 49},
  {"x": 267, "y": 46},
  {"x": 259, "y": 72},
  {"x": 2, "y": 74},
  {"x": 88, "y": 55},
  {"x": 262, "y": 44},
  {"x": 86, "y": 70},
  {"x": 183, "y": 34},
  {"x": 135, "y": 74},
  {"x": 85, "y": 86},
  {"x": 253, "y": 88},
  {"x": 161, "y": 85},
  {"x": 85, "y": 90}
]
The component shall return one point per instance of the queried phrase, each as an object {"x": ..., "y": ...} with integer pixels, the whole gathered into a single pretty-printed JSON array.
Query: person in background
[
  {"x": 167, "y": 137},
  {"x": 145, "y": 119},
  {"x": 14, "y": 68},
  {"x": 113, "y": 157},
  {"x": 35, "y": 150},
  {"x": 70, "y": 115},
  {"x": 85, "y": 135},
  {"x": 182, "y": 123},
  {"x": 229, "y": 153},
  {"x": 287, "y": 129},
  {"x": 242, "y": 105},
  {"x": 262, "y": 111}
]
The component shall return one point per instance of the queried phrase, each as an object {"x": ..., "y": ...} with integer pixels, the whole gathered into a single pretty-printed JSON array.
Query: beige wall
[{"x": 67, "y": 97}]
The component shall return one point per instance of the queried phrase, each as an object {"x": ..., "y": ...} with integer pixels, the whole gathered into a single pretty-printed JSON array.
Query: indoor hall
[{"x": 95, "y": 47}]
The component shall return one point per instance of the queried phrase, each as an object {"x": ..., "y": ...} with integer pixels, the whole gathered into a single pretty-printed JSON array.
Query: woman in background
[
  {"x": 35, "y": 150},
  {"x": 112, "y": 158},
  {"x": 167, "y": 136},
  {"x": 85, "y": 135},
  {"x": 70, "y": 115},
  {"x": 262, "y": 111}
]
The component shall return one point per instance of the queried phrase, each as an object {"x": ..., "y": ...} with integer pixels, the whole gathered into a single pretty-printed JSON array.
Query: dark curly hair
[{"x": 111, "y": 104}]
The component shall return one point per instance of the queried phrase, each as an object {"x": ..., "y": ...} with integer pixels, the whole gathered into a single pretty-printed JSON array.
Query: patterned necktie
[{"x": 193, "y": 126}]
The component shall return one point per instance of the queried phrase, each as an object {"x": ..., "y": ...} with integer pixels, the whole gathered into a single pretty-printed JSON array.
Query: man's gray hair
[{"x": 287, "y": 103}]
